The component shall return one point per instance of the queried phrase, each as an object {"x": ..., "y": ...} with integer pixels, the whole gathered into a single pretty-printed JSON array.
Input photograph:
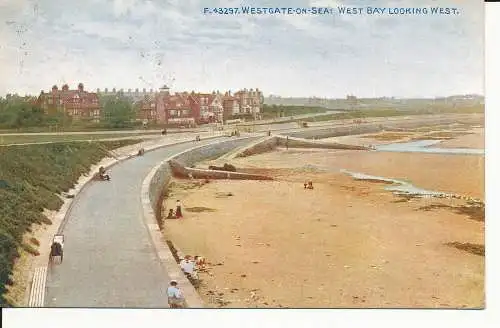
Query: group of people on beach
[
  {"x": 178, "y": 211},
  {"x": 190, "y": 267},
  {"x": 308, "y": 185}
]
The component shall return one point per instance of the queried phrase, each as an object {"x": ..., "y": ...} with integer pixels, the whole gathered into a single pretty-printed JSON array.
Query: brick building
[
  {"x": 250, "y": 101},
  {"x": 77, "y": 104},
  {"x": 188, "y": 108},
  {"x": 146, "y": 109}
]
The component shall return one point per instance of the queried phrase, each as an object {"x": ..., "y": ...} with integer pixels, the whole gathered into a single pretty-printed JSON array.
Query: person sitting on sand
[
  {"x": 188, "y": 267},
  {"x": 200, "y": 262},
  {"x": 171, "y": 214},
  {"x": 305, "y": 185},
  {"x": 178, "y": 211},
  {"x": 310, "y": 185}
]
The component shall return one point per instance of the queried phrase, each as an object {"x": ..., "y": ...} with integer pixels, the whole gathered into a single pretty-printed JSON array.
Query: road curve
[{"x": 109, "y": 260}]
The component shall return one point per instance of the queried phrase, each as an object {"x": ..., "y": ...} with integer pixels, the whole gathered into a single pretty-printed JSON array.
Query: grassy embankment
[
  {"x": 31, "y": 177},
  {"x": 20, "y": 139},
  {"x": 273, "y": 111}
]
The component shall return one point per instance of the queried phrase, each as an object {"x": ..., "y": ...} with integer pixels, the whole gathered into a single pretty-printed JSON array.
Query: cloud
[{"x": 143, "y": 43}]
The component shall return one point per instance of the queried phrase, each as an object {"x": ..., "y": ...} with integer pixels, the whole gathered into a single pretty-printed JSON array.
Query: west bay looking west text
[{"x": 330, "y": 11}]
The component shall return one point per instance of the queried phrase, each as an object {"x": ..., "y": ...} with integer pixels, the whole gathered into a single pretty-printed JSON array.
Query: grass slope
[{"x": 31, "y": 177}]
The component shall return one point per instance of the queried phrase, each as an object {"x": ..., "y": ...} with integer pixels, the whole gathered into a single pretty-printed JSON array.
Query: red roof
[
  {"x": 74, "y": 98},
  {"x": 176, "y": 101}
]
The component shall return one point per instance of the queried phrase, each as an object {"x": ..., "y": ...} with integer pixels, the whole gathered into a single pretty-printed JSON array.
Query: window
[
  {"x": 185, "y": 112},
  {"x": 172, "y": 112}
]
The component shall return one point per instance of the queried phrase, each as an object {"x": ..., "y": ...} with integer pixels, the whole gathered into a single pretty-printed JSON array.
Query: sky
[{"x": 149, "y": 43}]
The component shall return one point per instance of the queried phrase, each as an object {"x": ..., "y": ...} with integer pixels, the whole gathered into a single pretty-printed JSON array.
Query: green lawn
[
  {"x": 274, "y": 111},
  {"x": 20, "y": 139}
]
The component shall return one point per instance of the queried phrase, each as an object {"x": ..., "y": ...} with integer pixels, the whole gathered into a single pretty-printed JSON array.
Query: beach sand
[{"x": 347, "y": 243}]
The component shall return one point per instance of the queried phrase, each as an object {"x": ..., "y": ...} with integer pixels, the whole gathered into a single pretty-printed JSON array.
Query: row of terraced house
[{"x": 157, "y": 107}]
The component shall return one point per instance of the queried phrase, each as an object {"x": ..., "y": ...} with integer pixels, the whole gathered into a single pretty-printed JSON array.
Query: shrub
[
  {"x": 34, "y": 241},
  {"x": 30, "y": 249}
]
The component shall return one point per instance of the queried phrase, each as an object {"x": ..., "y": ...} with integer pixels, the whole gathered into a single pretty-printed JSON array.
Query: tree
[{"x": 118, "y": 111}]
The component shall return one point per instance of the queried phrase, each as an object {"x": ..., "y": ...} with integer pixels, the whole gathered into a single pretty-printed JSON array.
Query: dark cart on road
[{"x": 57, "y": 248}]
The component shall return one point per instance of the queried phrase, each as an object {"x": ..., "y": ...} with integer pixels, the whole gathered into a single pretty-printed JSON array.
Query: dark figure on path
[
  {"x": 178, "y": 211},
  {"x": 164, "y": 132},
  {"x": 286, "y": 142},
  {"x": 140, "y": 152},
  {"x": 56, "y": 250},
  {"x": 102, "y": 174},
  {"x": 171, "y": 214},
  {"x": 269, "y": 133}
]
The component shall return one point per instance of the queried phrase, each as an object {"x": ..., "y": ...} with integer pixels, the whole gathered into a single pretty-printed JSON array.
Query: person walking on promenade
[
  {"x": 178, "y": 211},
  {"x": 286, "y": 142},
  {"x": 175, "y": 297}
]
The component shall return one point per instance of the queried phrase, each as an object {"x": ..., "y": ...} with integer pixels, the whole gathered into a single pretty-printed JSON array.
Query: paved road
[{"x": 109, "y": 260}]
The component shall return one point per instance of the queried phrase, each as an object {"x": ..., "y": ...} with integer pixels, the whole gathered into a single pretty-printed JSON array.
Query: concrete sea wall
[{"x": 344, "y": 130}]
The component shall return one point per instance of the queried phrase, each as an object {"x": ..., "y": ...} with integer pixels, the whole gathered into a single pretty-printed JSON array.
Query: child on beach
[{"x": 178, "y": 211}]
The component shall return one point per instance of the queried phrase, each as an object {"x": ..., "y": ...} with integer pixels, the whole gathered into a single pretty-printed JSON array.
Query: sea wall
[
  {"x": 181, "y": 171},
  {"x": 270, "y": 143},
  {"x": 362, "y": 128}
]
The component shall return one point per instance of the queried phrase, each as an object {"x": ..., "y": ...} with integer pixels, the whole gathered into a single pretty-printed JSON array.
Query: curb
[
  {"x": 65, "y": 210},
  {"x": 163, "y": 251}
]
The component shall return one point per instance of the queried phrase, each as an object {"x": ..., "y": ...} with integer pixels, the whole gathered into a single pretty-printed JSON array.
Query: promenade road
[{"x": 109, "y": 260}]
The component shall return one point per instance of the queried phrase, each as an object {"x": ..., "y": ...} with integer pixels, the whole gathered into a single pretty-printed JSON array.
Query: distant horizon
[
  {"x": 264, "y": 94},
  {"x": 143, "y": 44}
]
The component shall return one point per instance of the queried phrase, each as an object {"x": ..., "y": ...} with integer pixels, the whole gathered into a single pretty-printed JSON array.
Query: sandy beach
[{"x": 347, "y": 243}]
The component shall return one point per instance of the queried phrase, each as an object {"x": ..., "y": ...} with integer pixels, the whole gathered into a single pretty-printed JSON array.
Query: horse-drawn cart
[{"x": 56, "y": 249}]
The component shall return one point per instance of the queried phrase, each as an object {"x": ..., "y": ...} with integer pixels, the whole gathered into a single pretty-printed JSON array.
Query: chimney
[
  {"x": 65, "y": 87},
  {"x": 54, "y": 88},
  {"x": 98, "y": 90},
  {"x": 114, "y": 90},
  {"x": 80, "y": 87},
  {"x": 136, "y": 90},
  {"x": 106, "y": 90}
]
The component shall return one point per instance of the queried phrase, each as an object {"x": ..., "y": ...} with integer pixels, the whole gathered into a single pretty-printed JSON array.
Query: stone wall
[
  {"x": 187, "y": 158},
  {"x": 271, "y": 143},
  {"x": 211, "y": 151},
  {"x": 261, "y": 146},
  {"x": 344, "y": 130},
  {"x": 179, "y": 170}
]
